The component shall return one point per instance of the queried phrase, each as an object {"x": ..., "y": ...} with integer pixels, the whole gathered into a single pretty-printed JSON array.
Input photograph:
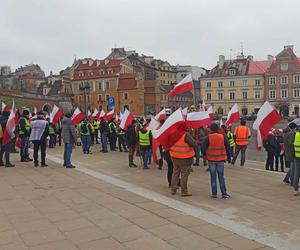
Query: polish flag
[
  {"x": 127, "y": 119},
  {"x": 204, "y": 108},
  {"x": 89, "y": 113},
  {"x": 96, "y": 114},
  {"x": 198, "y": 119},
  {"x": 10, "y": 126},
  {"x": 233, "y": 115},
  {"x": 55, "y": 115},
  {"x": 118, "y": 119},
  {"x": 110, "y": 115},
  {"x": 184, "y": 112},
  {"x": 210, "y": 112},
  {"x": 5, "y": 108},
  {"x": 185, "y": 85},
  {"x": 102, "y": 113},
  {"x": 267, "y": 117},
  {"x": 171, "y": 131},
  {"x": 153, "y": 124},
  {"x": 77, "y": 116},
  {"x": 162, "y": 115}
]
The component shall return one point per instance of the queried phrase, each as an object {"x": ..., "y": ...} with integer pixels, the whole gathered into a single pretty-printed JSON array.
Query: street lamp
[{"x": 85, "y": 88}]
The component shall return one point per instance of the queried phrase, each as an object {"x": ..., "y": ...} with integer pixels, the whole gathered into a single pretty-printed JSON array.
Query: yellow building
[
  {"x": 166, "y": 73},
  {"x": 238, "y": 81}
]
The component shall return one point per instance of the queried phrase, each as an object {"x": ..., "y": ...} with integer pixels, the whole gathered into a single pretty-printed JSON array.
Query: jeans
[
  {"x": 296, "y": 174},
  {"x": 24, "y": 147},
  {"x": 270, "y": 161},
  {"x": 104, "y": 142},
  {"x": 41, "y": 144},
  {"x": 197, "y": 153},
  {"x": 67, "y": 154},
  {"x": 52, "y": 141},
  {"x": 290, "y": 174},
  {"x": 86, "y": 143},
  {"x": 145, "y": 152},
  {"x": 243, "y": 154},
  {"x": 217, "y": 168},
  {"x": 277, "y": 159}
]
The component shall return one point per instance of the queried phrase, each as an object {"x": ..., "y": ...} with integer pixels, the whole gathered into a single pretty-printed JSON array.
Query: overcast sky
[{"x": 52, "y": 32}]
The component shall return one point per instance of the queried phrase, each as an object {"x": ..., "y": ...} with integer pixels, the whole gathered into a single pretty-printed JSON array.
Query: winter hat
[{"x": 214, "y": 127}]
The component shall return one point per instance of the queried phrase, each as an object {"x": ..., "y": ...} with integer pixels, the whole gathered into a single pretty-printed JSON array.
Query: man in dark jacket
[
  {"x": 104, "y": 134},
  {"x": 24, "y": 133},
  {"x": 131, "y": 138},
  {"x": 270, "y": 146},
  {"x": 5, "y": 149},
  {"x": 69, "y": 139},
  {"x": 39, "y": 133}
]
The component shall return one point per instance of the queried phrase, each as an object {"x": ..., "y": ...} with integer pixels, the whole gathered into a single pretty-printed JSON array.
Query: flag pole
[{"x": 194, "y": 96}]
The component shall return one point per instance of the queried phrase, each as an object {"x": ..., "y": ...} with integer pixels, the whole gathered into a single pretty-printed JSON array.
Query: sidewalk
[{"x": 58, "y": 208}]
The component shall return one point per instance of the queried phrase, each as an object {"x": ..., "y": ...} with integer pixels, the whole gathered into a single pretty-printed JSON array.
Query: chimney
[
  {"x": 250, "y": 57},
  {"x": 270, "y": 58},
  {"x": 291, "y": 47},
  {"x": 221, "y": 61}
]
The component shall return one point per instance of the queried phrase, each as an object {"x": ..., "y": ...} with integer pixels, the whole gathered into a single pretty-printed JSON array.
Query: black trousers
[
  {"x": 112, "y": 141},
  {"x": 277, "y": 158},
  {"x": 270, "y": 161},
  {"x": 41, "y": 144},
  {"x": 121, "y": 142},
  {"x": 5, "y": 150}
]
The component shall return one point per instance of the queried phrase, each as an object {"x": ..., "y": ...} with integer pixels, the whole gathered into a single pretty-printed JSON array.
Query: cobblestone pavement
[{"x": 58, "y": 208}]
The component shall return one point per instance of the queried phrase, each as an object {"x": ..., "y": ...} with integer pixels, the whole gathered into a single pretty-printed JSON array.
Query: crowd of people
[{"x": 215, "y": 144}]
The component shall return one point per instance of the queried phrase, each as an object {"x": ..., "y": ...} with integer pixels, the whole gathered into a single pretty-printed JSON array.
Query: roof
[
  {"x": 94, "y": 64},
  {"x": 127, "y": 81},
  {"x": 258, "y": 67},
  {"x": 10, "y": 92}
]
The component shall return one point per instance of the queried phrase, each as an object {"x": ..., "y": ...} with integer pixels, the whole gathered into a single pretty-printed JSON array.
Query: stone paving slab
[{"x": 85, "y": 213}]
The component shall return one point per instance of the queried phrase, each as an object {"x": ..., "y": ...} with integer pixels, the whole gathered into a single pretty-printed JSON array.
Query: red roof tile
[{"x": 258, "y": 67}]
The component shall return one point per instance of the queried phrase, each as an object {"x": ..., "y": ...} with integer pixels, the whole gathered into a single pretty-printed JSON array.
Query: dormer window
[
  {"x": 232, "y": 72},
  {"x": 284, "y": 66}
]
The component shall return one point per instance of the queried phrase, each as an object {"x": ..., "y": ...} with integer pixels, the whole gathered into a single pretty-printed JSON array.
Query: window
[
  {"x": 99, "y": 98},
  {"x": 245, "y": 82},
  {"x": 284, "y": 66},
  {"x": 296, "y": 78},
  {"x": 284, "y": 80},
  {"x": 208, "y": 84},
  {"x": 220, "y": 84},
  {"x": 90, "y": 73},
  {"x": 107, "y": 85},
  {"x": 296, "y": 93},
  {"x": 208, "y": 96},
  {"x": 88, "y": 98},
  {"x": 284, "y": 93},
  {"x": 244, "y": 95},
  {"x": 257, "y": 82},
  {"x": 125, "y": 95},
  {"x": 231, "y": 83},
  {"x": 231, "y": 95},
  {"x": 220, "y": 96},
  {"x": 272, "y": 94},
  {"x": 232, "y": 72},
  {"x": 272, "y": 80},
  {"x": 257, "y": 94},
  {"x": 100, "y": 85}
]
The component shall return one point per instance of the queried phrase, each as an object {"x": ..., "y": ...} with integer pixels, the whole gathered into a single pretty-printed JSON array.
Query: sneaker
[
  {"x": 286, "y": 182},
  {"x": 225, "y": 196},
  {"x": 146, "y": 168},
  {"x": 44, "y": 165},
  {"x": 296, "y": 193},
  {"x": 9, "y": 165},
  {"x": 186, "y": 194},
  {"x": 71, "y": 166},
  {"x": 196, "y": 164},
  {"x": 29, "y": 159},
  {"x": 24, "y": 160},
  {"x": 214, "y": 197},
  {"x": 173, "y": 192},
  {"x": 36, "y": 164},
  {"x": 134, "y": 165}
]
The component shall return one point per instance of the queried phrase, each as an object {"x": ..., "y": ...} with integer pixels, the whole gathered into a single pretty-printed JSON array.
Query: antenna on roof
[
  {"x": 242, "y": 49},
  {"x": 230, "y": 55}
]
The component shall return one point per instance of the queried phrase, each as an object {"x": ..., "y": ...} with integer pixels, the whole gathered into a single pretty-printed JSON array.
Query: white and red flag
[
  {"x": 210, "y": 112},
  {"x": 204, "y": 108},
  {"x": 96, "y": 114},
  {"x": 5, "y": 108},
  {"x": 184, "y": 112},
  {"x": 102, "y": 113},
  {"x": 89, "y": 113},
  {"x": 162, "y": 115},
  {"x": 77, "y": 116},
  {"x": 9, "y": 134},
  {"x": 171, "y": 131},
  {"x": 233, "y": 115},
  {"x": 267, "y": 117},
  {"x": 110, "y": 115},
  {"x": 198, "y": 119},
  {"x": 55, "y": 114},
  {"x": 185, "y": 85},
  {"x": 153, "y": 124},
  {"x": 126, "y": 120}
]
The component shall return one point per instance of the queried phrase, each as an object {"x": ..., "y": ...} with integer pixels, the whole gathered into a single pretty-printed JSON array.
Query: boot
[{"x": 9, "y": 165}]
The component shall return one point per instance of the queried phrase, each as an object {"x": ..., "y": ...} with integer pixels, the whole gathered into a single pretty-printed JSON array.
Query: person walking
[
  {"x": 131, "y": 138},
  {"x": 52, "y": 135},
  {"x": 85, "y": 133},
  {"x": 279, "y": 152},
  {"x": 270, "y": 146},
  {"x": 104, "y": 134},
  {"x": 145, "y": 141},
  {"x": 242, "y": 134},
  {"x": 182, "y": 154},
  {"x": 217, "y": 151},
  {"x": 288, "y": 140},
  {"x": 38, "y": 136},
  {"x": 69, "y": 138},
  {"x": 5, "y": 149},
  {"x": 297, "y": 162},
  {"x": 24, "y": 133}
]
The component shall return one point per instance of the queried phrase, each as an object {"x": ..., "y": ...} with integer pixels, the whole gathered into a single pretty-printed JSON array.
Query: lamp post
[{"x": 85, "y": 88}]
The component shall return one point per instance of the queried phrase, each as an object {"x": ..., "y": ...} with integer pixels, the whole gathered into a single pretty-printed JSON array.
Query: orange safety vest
[
  {"x": 181, "y": 149},
  {"x": 216, "y": 150},
  {"x": 241, "y": 135}
]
